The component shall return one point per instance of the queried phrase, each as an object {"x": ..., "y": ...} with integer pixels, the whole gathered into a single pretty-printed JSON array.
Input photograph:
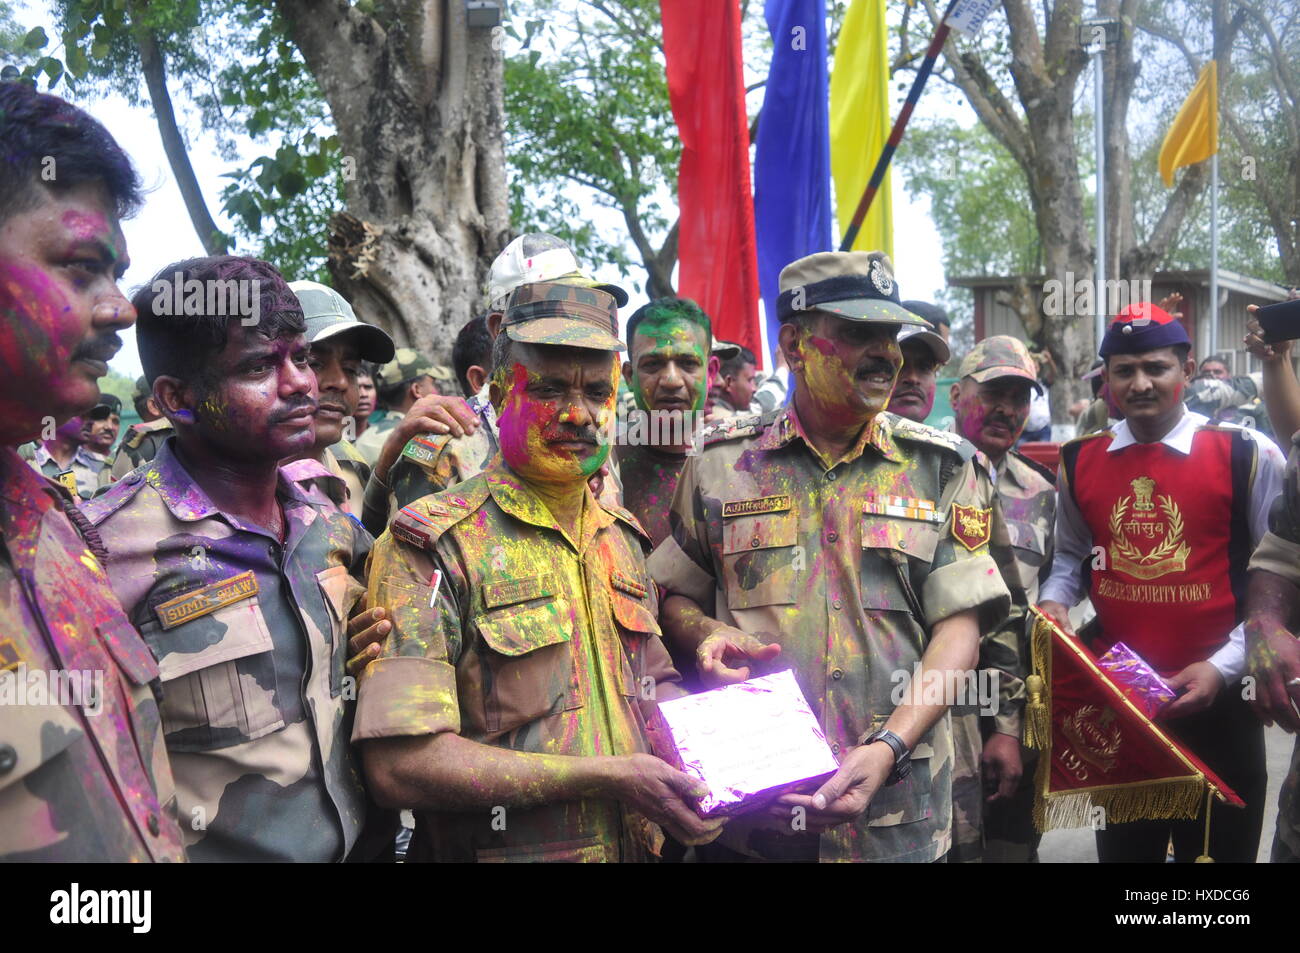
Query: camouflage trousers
[
  {"x": 967, "y": 787},
  {"x": 1286, "y": 842},
  {"x": 1001, "y": 832}
]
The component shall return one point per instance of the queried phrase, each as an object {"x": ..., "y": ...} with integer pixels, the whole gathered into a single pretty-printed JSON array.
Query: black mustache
[
  {"x": 101, "y": 348},
  {"x": 875, "y": 366},
  {"x": 305, "y": 404},
  {"x": 585, "y": 434}
]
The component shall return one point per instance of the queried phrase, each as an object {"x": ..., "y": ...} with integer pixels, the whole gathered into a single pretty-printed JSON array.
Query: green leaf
[
  {"x": 292, "y": 183},
  {"x": 51, "y": 67},
  {"x": 35, "y": 39},
  {"x": 77, "y": 63},
  {"x": 98, "y": 50}
]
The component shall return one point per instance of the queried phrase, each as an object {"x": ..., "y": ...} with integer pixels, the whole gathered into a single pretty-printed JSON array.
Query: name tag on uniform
[
  {"x": 509, "y": 591},
  {"x": 209, "y": 599},
  {"x": 418, "y": 450},
  {"x": 903, "y": 507},
  {"x": 765, "y": 504}
]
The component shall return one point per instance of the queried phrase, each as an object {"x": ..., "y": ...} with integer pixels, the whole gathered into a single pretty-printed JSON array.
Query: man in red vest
[{"x": 1155, "y": 522}]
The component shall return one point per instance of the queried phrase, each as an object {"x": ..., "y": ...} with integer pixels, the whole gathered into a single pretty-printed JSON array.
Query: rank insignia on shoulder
[
  {"x": 408, "y": 534},
  {"x": 416, "y": 449},
  {"x": 209, "y": 599},
  {"x": 905, "y": 507},
  {"x": 766, "y": 504},
  {"x": 970, "y": 525},
  {"x": 10, "y": 657},
  {"x": 68, "y": 480}
]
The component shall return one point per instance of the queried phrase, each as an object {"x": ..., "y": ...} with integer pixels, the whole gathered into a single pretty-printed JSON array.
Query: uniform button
[
  {"x": 830, "y": 474},
  {"x": 837, "y": 604},
  {"x": 835, "y": 748},
  {"x": 902, "y": 544},
  {"x": 754, "y": 542},
  {"x": 837, "y": 674},
  {"x": 832, "y": 536},
  {"x": 154, "y": 826},
  {"x": 8, "y": 758}
]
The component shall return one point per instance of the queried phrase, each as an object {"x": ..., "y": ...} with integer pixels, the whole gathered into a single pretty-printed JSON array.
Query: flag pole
[
  {"x": 1214, "y": 253},
  {"x": 896, "y": 134}
]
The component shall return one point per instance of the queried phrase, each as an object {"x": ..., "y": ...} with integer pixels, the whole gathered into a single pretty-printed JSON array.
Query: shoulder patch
[
  {"x": 1089, "y": 436},
  {"x": 103, "y": 505},
  {"x": 424, "y": 450},
  {"x": 1042, "y": 470}
]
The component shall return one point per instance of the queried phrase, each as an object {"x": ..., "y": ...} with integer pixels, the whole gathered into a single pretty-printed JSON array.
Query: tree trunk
[
  {"x": 178, "y": 157},
  {"x": 416, "y": 97}
]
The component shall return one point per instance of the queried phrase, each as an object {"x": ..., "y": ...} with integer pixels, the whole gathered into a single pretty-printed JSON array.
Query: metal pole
[
  {"x": 1100, "y": 123},
  {"x": 1214, "y": 254}
]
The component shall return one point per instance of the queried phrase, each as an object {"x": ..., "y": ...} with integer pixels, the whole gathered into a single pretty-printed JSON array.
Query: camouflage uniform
[
  {"x": 140, "y": 446},
  {"x": 371, "y": 443},
  {"x": 848, "y": 568},
  {"x": 534, "y": 642},
  {"x": 1279, "y": 553},
  {"x": 251, "y": 639},
  {"x": 74, "y": 785}
]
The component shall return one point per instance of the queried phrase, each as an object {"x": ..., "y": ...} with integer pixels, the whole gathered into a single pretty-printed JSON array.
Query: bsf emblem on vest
[
  {"x": 1160, "y": 521},
  {"x": 970, "y": 525}
]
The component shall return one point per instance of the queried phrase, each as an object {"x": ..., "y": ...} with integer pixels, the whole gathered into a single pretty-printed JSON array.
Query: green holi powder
[{"x": 672, "y": 336}]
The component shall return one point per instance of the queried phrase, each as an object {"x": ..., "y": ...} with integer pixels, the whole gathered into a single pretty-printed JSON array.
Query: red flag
[
  {"x": 719, "y": 266},
  {"x": 1100, "y": 750}
]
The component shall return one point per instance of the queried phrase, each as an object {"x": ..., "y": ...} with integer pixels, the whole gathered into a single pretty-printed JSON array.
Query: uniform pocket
[
  {"x": 37, "y": 734},
  {"x": 636, "y": 624},
  {"x": 885, "y": 539},
  {"x": 527, "y": 663},
  {"x": 1029, "y": 547},
  {"x": 758, "y": 560},
  {"x": 218, "y": 673}
]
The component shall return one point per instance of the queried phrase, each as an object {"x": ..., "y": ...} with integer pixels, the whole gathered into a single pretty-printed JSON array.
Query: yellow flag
[
  {"x": 860, "y": 123},
  {"x": 1194, "y": 136}
]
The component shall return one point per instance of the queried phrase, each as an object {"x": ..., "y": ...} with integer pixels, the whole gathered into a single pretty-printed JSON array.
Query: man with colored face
[
  {"x": 333, "y": 472},
  {"x": 992, "y": 781},
  {"x": 1165, "y": 508},
  {"x": 241, "y": 586},
  {"x": 737, "y": 383},
  {"x": 924, "y": 352},
  {"x": 82, "y": 778},
  {"x": 443, "y": 441},
  {"x": 669, "y": 370},
  {"x": 512, "y": 703},
  {"x": 854, "y": 546},
  {"x": 66, "y": 457},
  {"x": 105, "y": 422}
]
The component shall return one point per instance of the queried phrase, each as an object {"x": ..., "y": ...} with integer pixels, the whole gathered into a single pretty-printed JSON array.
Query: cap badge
[{"x": 881, "y": 278}]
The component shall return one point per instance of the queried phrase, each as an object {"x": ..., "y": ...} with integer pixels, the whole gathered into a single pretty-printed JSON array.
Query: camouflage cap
[
  {"x": 858, "y": 285},
  {"x": 1000, "y": 356},
  {"x": 407, "y": 364},
  {"x": 562, "y": 313}
]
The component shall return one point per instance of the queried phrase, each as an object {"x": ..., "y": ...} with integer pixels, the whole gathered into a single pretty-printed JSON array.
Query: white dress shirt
[{"x": 1074, "y": 540}]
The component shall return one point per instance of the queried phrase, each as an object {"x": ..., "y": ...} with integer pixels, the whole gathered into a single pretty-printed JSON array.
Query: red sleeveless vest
[{"x": 1174, "y": 538}]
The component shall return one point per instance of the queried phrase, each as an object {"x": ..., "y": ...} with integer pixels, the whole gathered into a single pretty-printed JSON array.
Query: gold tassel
[
  {"x": 1177, "y": 799},
  {"x": 1038, "y": 720}
]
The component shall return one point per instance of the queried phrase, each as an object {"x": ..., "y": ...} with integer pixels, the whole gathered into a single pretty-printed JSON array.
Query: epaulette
[
  {"x": 424, "y": 521},
  {"x": 733, "y": 428},
  {"x": 344, "y": 451},
  {"x": 142, "y": 430},
  {"x": 627, "y": 517},
  {"x": 103, "y": 505},
  {"x": 924, "y": 433},
  {"x": 1042, "y": 470},
  {"x": 424, "y": 450}
]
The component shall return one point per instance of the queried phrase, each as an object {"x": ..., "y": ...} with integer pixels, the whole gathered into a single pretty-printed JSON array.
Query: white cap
[
  {"x": 937, "y": 344},
  {"x": 534, "y": 257}
]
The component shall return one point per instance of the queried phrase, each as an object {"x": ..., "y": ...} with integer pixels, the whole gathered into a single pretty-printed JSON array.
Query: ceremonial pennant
[{"x": 1103, "y": 759}]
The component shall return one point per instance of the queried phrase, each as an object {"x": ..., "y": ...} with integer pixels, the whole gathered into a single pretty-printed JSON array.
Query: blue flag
[{"x": 792, "y": 166}]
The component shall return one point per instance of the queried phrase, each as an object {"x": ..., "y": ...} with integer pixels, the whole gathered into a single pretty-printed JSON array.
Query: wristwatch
[{"x": 902, "y": 755}]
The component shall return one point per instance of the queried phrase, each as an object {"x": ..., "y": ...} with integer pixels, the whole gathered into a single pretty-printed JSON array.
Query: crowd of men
[{"x": 326, "y": 583}]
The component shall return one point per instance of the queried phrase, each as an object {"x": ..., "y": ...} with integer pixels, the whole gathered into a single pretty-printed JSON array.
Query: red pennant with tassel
[{"x": 1103, "y": 759}]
